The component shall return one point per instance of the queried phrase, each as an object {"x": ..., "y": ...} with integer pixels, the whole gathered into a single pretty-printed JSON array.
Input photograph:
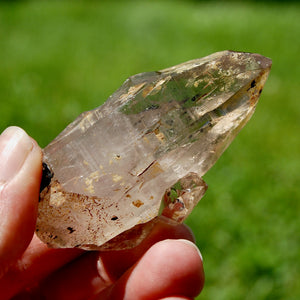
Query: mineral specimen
[{"x": 110, "y": 174}]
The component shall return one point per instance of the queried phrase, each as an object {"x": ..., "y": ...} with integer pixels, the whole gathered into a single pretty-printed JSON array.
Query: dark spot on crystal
[
  {"x": 181, "y": 204},
  {"x": 46, "y": 177},
  {"x": 253, "y": 84},
  {"x": 260, "y": 91},
  {"x": 71, "y": 230},
  {"x": 114, "y": 218},
  {"x": 195, "y": 98},
  {"x": 152, "y": 106},
  {"x": 53, "y": 237}
]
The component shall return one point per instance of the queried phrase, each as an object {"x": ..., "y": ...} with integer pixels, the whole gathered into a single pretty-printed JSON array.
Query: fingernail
[
  {"x": 15, "y": 145},
  {"x": 192, "y": 244}
]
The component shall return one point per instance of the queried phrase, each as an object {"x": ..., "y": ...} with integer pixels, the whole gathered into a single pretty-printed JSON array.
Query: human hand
[{"x": 166, "y": 265}]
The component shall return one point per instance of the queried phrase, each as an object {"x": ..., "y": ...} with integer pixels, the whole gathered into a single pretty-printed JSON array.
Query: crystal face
[{"x": 113, "y": 171}]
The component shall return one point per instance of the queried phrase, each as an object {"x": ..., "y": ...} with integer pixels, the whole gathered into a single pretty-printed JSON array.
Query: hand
[{"x": 165, "y": 265}]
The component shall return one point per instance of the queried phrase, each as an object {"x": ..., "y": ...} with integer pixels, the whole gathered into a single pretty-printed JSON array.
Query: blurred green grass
[{"x": 60, "y": 58}]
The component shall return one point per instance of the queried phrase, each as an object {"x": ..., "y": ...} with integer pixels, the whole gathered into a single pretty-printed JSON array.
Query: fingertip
[
  {"x": 170, "y": 267},
  {"x": 181, "y": 263},
  {"x": 20, "y": 174}
]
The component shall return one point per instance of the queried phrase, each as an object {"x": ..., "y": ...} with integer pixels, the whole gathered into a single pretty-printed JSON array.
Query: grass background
[{"x": 59, "y": 58}]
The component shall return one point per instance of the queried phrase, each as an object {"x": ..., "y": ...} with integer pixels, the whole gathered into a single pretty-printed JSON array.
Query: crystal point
[{"x": 113, "y": 171}]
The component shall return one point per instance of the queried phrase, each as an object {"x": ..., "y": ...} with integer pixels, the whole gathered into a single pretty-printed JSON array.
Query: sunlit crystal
[{"x": 142, "y": 154}]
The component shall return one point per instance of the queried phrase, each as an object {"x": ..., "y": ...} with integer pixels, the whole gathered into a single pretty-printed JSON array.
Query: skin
[{"x": 166, "y": 265}]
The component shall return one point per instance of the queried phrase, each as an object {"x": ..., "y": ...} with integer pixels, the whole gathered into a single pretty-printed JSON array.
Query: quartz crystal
[{"x": 140, "y": 156}]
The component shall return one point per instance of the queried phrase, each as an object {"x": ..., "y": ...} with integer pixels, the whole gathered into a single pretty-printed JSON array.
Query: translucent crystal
[{"x": 115, "y": 169}]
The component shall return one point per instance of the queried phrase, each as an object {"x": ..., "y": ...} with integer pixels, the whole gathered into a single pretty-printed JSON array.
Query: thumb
[{"x": 20, "y": 175}]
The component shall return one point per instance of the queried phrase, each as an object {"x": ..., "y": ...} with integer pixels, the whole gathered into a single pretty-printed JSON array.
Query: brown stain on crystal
[
  {"x": 137, "y": 203},
  {"x": 155, "y": 170},
  {"x": 253, "y": 100},
  {"x": 159, "y": 135},
  {"x": 147, "y": 90},
  {"x": 156, "y": 131}
]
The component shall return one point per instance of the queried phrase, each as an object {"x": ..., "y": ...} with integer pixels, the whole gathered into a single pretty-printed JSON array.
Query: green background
[{"x": 59, "y": 58}]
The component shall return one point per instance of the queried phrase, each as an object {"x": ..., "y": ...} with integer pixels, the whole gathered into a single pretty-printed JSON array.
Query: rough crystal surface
[{"x": 115, "y": 169}]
